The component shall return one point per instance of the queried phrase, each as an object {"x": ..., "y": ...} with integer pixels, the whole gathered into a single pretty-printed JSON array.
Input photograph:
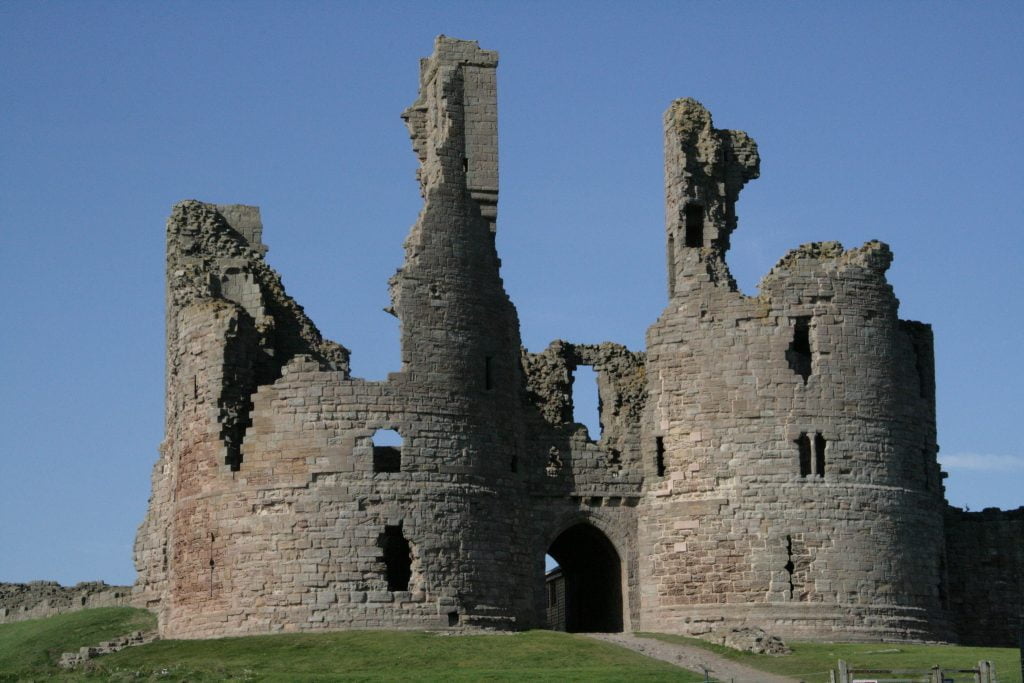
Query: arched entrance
[{"x": 589, "y": 594}]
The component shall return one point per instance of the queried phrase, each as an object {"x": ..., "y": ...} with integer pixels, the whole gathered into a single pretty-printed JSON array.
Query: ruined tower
[
  {"x": 792, "y": 434},
  {"x": 274, "y": 504},
  {"x": 769, "y": 460}
]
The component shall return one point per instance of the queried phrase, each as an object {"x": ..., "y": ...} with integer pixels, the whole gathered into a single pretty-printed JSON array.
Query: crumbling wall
[
  {"x": 594, "y": 479},
  {"x": 38, "y": 599},
  {"x": 230, "y": 329},
  {"x": 767, "y": 461},
  {"x": 789, "y": 435},
  {"x": 271, "y": 510},
  {"x": 985, "y": 561}
]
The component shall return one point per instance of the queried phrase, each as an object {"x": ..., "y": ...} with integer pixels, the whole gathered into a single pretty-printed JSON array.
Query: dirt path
[{"x": 692, "y": 658}]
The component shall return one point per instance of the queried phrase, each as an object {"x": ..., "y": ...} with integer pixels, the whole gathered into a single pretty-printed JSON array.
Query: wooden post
[{"x": 844, "y": 672}]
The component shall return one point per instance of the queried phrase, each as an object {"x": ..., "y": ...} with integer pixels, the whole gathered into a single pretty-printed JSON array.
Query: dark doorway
[{"x": 592, "y": 573}]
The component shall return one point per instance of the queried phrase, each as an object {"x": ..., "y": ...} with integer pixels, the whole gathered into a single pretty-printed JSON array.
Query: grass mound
[
  {"x": 29, "y": 651},
  {"x": 32, "y": 648},
  {"x": 811, "y": 662}
]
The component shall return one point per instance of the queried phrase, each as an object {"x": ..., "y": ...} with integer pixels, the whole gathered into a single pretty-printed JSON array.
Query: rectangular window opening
[
  {"x": 586, "y": 401},
  {"x": 453, "y": 618},
  {"x": 659, "y": 455},
  {"x": 488, "y": 378},
  {"x": 799, "y": 352},
  {"x": 693, "y": 218},
  {"x": 804, "y": 449},
  {"x": 397, "y": 557},
  {"x": 387, "y": 451},
  {"x": 919, "y": 368},
  {"x": 819, "y": 455}
]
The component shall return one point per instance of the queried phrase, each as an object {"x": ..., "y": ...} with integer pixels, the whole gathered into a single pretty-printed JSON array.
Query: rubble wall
[{"x": 38, "y": 599}]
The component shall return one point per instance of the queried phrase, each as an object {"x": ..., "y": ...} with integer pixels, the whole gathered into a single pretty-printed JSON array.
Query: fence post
[{"x": 844, "y": 672}]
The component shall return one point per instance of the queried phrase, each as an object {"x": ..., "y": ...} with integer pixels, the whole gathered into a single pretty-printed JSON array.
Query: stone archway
[{"x": 592, "y": 575}]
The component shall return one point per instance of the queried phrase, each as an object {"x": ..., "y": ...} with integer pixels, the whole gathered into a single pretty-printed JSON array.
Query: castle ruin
[{"x": 768, "y": 461}]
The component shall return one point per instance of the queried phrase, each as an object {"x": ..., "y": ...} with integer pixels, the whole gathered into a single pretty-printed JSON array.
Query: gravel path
[{"x": 692, "y": 658}]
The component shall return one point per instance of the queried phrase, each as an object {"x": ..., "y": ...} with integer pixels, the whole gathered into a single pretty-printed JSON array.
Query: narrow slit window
[
  {"x": 789, "y": 566},
  {"x": 488, "y": 377},
  {"x": 803, "y": 445},
  {"x": 919, "y": 367},
  {"x": 819, "y": 455},
  {"x": 659, "y": 455},
  {"x": 799, "y": 352},
  {"x": 387, "y": 451},
  {"x": 397, "y": 557},
  {"x": 693, "y": 216}
]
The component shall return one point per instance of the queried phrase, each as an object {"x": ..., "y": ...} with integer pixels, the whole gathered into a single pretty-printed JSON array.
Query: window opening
[
  {"x": 799, "y": 352},
  {"x": 922, "y": 384},
  {"x": 397, "y": 557},
  {"x": 387, "y": 451},
  {"x": 212, "y": 563},
  {"x": 693, "y": 216},
  {"x": 804, "y": 448},
  {"x": 659, "y": 455},
  {"x": 586, "y": 400},
  {"x": 552, "y": 594},
  {"x": 453, "y": 618},
  {"x": 819, "y": 455},
  {"x": 789, "y": 564},
  {"x": 488, "y": 380}
]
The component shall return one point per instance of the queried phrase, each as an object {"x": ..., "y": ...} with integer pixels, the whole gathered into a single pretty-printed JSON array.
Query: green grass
[
  {"x": 29, "y": 650},
  {"x": 812, "y": 661}
]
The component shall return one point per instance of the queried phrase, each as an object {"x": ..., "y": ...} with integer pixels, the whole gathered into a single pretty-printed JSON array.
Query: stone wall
[
  {"x": 767, "y": 461},
  {"x": 985, "y": 561},
  {"x": 38, "y": 599}
]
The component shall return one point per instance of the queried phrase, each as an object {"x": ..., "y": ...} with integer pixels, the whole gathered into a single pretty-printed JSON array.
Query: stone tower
[
  {"x": 274, "y": 506},
  {"x": 792, "y": 434},
  {"x": 768, "y": 461}
]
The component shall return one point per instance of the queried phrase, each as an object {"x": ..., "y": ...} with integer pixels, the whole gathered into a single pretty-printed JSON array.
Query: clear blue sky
[{"x": 899, "y": 121}]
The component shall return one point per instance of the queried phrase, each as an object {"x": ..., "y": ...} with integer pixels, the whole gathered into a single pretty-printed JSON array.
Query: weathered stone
[
  {"x": 768, "y": 461},
  {"x": 38, "y": 599}
]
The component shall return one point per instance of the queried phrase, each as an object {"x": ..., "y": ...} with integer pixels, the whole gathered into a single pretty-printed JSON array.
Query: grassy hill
[{"x": 29, "y": 651}]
